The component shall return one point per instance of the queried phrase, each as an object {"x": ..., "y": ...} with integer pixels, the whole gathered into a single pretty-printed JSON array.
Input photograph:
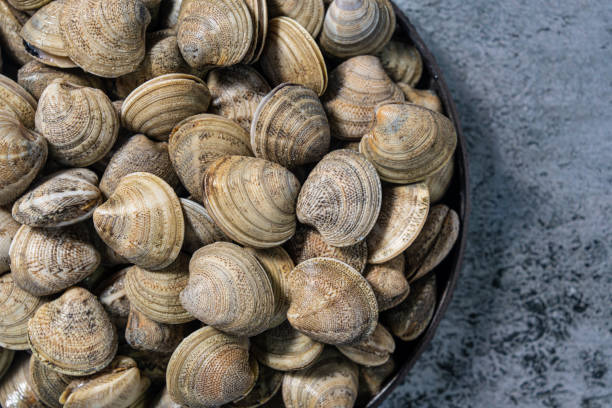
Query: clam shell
[
  {"x": 142, "y": 221},
  {"x": 284, "y": 348},
  {"x": 355, "y": 88},
  {"x": 17, "y": 101},
  {"x": 47, "y": 261},
  {"x": 46, "y": 383},
  {"x": 388, "y": 282},
  {"x": 410, "y": 319},
  {"x": 6, "y": 358},
  {"x": 143, "y": 333},
  {"x": 290, "y": 127},
  {"x": 331, "y": 382},
  {"x": 408, "y": 143},
  {"x": 73, "y": 334},
  {"x": 439, "y": 182},
  {"x": 198, "y": 141},
  {"x": 10, "y": 40},
  {"x": 402, "y": 62},
  {"x": 28, "y": 5},
  {"x": 210, "y": 368},
  {"x": 15, "y": 390},
  {"x": 17, "y": 306},
  {"x": 111, "y": 294},
  {"x": 331, "y": 302},
  {"x": 372, "y": 351},
  {"x": 79, "y": 123},
  {"x": 8, "y": 229},
  {"x": 159, "y": 104},
  {"x": 259, "y": 15},
  {"x": 251, "y": 200},
  {"x": 422, "y": 97},
  {"x": 105, "y": 37},
  {"x": 341, "y": 198},
  {"x": 267, "y": 386},
  {"x": 357, "y": 27},
  {"x": 402, "y": 216},
  {"x": 292, "y": 55},
  {"x": 229, "y": 290},
  {"x": 434, "y": 243},
  {"x": 308, "y": 13},
  {"x": 371, "y": 379},
  {"x": 236, "y": 92},
  {"x": 200, "y": 229},
  {"x": 227, "y": 44},
  {"x": 156, "y": 294},
  {"x": 138, "y": 154}
]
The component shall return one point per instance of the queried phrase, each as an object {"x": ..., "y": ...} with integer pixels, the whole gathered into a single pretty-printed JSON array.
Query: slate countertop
[{"x": 530, "y": 324}]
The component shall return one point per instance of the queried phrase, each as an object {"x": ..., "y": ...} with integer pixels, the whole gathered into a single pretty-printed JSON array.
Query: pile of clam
[{"x": 194, "y": 213}]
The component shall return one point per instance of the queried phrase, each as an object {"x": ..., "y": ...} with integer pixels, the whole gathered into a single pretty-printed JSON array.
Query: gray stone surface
[{"x": 531, "y": 321}]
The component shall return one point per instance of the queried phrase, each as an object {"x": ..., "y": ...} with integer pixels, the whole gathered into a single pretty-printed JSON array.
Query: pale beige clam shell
[
  {"x": 426, "y": 98},
  {"x": 388, "y": 281},
  {"x": 259, "y": 15},
  {"x": 200, "y": 229},
  {"x": 402, "y": 61},
  {"x": 47, "y": 384},
  {"x": 440, "y": 181},
  {"x": 28, "y": 5},
  {"x": 8, "y": 229},
  {"x": 17, "y": 101},
  {"x": 309, "y": 13},
  {"x": 144, "y": 333},
  {"x": 372, "y": 351},
  {"x": 268, "y": 384},
  {"x": 10, "y": 40},
  {"x": 15, "y": 389},
  {"x": 6, "y": 358}
]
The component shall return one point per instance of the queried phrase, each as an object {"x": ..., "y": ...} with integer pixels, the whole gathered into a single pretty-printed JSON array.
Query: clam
[
  {"x": 357, "y": 27},
  {"x": 403, "y": 62},
  {"x": 355, "y": 88},
  {"x": 200, "y": 229},
  {"x": 111, "y": 294},
  {"x": 292, "y": 55},
  {"x": 410, "y": 319},
  {"x": 331, "y": 382},
  {"x": 142, "y": 221},
  {"x": 229, "y": 290},
  {"x": 47, "y": 261},
  {"x": 10, "y": 40},
  {"x": 252, "y": 200},
  {"x": 423, "y": 97},
  {"x": 156, "y": 106},
  {"x": 307, "y": 243},
  {"x": 6, "y": 358},
  {"x": 73, "y": 334},
  {"x": 388, "y": 281},
  {"x": 215, "y": 32},
  {"x": 210, "y": 368},
  {"x": 34, "y": 77},
  {"x": 17, "y": 101},
  {"x": 433, "y": 243},
  {"x": 143, "y": 333},
  {"x": 105, "y": 37},
  {"x": 284, "y": 348},
  {"x": 46, "y": 383},
  {"x": 371, "y": 379},
  {"x": 440, "y": 181},
  {"x": 15, "y": 389},
  {"x": 407, "y": 143},
  {"x": 198, "y": 141},
  {"x": 67, "y": 197},
  {"x": 79, "y": 123},
  {"x": 138, "y": 154},
  {"x": 308, "y": 13},
  {"x": 267, "y": 386},
  {"x": 372, "y": 351},
  {"x": 402, "y": 216},
  {"x": 331, "y": 302},
  {"x": 156, "y": 294},
  {"x": 341, "y": 198},
  {"x": 259, "y": 14},
  {"x": 290, "y": 127},
  {"x": 17, "y": 306},
  {"x": 8, "y": 229},
  {"x": 28, "y": 5},
  {"x": 236, "y": 92}
]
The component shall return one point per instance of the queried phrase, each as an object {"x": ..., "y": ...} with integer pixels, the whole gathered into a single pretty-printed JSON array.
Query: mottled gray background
[{"x": 530, "y": 324}]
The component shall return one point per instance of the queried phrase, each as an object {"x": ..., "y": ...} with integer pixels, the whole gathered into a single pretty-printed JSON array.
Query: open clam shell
[
  {"x": 143, "y": 333},
  {"x": 308, "y": 13},
  {"x": 17, "y": 101},
  {"x": 15, "y": 389},
  {"x": 200, "y": 229},
  {"x": 372, "y": 351},
  {"x": 388, "y": 281},
  {"x": 47, "y": 384},
  {"x": 8, "y": 229},
  {"x": 402, "y": 62},
  {"x": 10, "y": 40}
]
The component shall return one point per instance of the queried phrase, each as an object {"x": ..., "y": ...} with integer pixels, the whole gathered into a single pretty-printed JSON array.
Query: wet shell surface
[
  {"x": 331, "y": 302},
  {"x": 34, "y": 77},
  {"x": 210, "y": 368},
  {"x": 73, "y": 334},
  {"x": 229, "y": 290},
  {"x": 290, "y": 127},
  {"x": 17, "y": 101},
  {"x": 402, "y": 62},
  {"x": 355, "y": 88},
  {"x": 156, "y": 106},
  {"x": 291, "y": 55},
  {"x": 143, "y": 333},
  {"x": 341, "y": 198},
  {"x": 388, "y": 281},
  {"x": 46, "y": 383},
  {"x": 267, "y": 386},
  {"x": 200, "y": 229},
  {"x": 308, "y": 13},
  {"x": 440, "y": 181},
  {"x": 8, "y": 229},
  {"x": 10, "y": 40},
  {"x": 426, "y": 98},
  {"x": 402, "y": 216},
  {"x": 198, "y": 141},
  {"x": 15, "y": 389},
  {"x": 142, "y": 221},
  {"x": 259, "y": 15},
  {"x": 252, "y": 200},
  {"x": 408, "y": 143},
  {"x": 79, "y": 123},
  {"x": 372, "y": 351}
]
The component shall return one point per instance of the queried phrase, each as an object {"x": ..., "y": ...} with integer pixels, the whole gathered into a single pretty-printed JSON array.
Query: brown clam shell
[
  {"x": 143, "y": 333},
  {"x": 15, "y": 389},
  {"x": 308, "y": 13},
  {"x": 8, "y": 229},
  {"x": 440, "y": 181},
  {"x": 267, "y": 386},
  {"x": 200, "y": 229},
  {"x": 388, "y": 281},
  {"x": 426, "y": 98},
  {"x": 372, "y": 351},
  {"x": 259, "y": 14},
  {"x": 46, "y": 383},
  {"x": 371, "y": 379},
  {"x": 10, "y": 40},
  {"x": 17, "y": 101},
  {"x": 28, "y": 5},
  {"x": 402, "y": 62}
]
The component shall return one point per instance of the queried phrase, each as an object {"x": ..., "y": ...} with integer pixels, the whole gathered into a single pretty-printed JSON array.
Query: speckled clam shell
[
  {"x": 28, "y": 5},
  {"x": 284, "y": 348},
  {"x": 79, "y": 123},
  {"x": 291, "y": 55},
  {"x": 142, "y": 221},
  {"x": 341, "y": 198},
  {"x": 259, "y": 15},
  {"x": 6, "y": 358},
  {"x": 46, "y": 383},
  {"x": 198, "y": 141},
  {"x": 402, "y": 61},
  {"x": 159, "y": 104},
  {"x": 388, "y": 281},
  {"x": 402, "y": 216},
  {"x": 331, "y": 302},
  {"x": 357, "y": 27},
  {"x": 229, "y": 290},
  {"x": 17, "y": 101},
  {"x": 434, "y": 243},
  {"x": 268, "y": 384},
  {"x": 308, "y": 13},
  {"x": 371, "y": 379},
  {"x": 144, "y": 333},
  {"x": 200, "y": 229},
  {"x": 426, "y": 98},
  {"x": 15, "y": 389},
  {"x": 105, "y": 37},
  {"x": 372, "y": 351},
  {"x": 8, "y": 229},
  {"x": 10, "y": 40},
  {"x": 236, "y": 92},
  {"x": 439, "y": 182},
  {"x": 407, "y": 143},
  {"x": 225, "y": 45},
  {"x": 252, "y": 200},
  {"x": 73, "y": 334},
  {"x": 210, "y": 368},
  {"x": 355, "y": 88},
  {"x": 35, "y": 76},
  {"x": 290, "y": 127}
]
